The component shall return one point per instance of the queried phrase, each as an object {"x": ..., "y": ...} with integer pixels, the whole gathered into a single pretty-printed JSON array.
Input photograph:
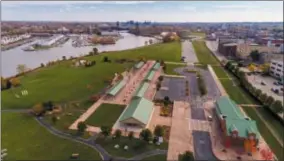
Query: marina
[{"x": 13, "y": 57}]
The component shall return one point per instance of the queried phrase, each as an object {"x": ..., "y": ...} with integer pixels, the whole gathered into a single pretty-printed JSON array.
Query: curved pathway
[{"x": 91, "y": 142}]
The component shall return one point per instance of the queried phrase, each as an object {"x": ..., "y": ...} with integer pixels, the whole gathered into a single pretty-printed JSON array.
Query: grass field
[
  {"x": 156, "y": 158},
  {"x": 62, "y": 83},
  {"x": 25, "y": 139},
  {"x": 135, "y": 146},
  {"x": 170, "y": 69},
  {"x": 240, "y": 96},
  {"x": 105, "y": 115},
  {"x": 201, "y": 34},
  {"x": 220, "y": 72},
  {"x": 70, "y": 113},
  {"x": 203, "y": 54}
]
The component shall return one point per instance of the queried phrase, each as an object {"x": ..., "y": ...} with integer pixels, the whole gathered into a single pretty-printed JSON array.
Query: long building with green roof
[
  {"x": 150, "y": 75},
  {"x": 116, "y": 88},
  {"x": 236, "y": 127},
  {"x": 137, "y": 113},
  {"x": 141, "y": 90}
]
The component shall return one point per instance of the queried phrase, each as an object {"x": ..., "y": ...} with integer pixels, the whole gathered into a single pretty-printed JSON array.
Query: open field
[
  {"x": 25, "y": 139},
  {"x": 62, "y": 83},
  {"x": 170, "y": 69},
  {"x": 240, "y": 96},
  {"x": 156, "y": 158},
  {"x": 135, "y": 146},
  {"x": 70, "y": 113},
  {"x": 203, "y": 54},
  {"x": 201, "y": 34},
  {"x": 105, "y": 115}
]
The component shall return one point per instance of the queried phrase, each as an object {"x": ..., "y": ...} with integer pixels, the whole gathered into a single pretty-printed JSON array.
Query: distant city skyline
[{"x": 159, "y": 11}]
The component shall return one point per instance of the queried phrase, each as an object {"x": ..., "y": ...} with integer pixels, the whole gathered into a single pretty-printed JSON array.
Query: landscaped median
[{"x": 239, "y": 95}]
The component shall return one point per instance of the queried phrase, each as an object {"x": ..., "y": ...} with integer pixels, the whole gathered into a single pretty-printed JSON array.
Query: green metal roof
[
  {"x": 150, "y": 75},
  {"x": 156, "y": 66},
  {"x": 235, "y": 119},
  {"x": 228, "y": 107},
  {"x": 141, "y": 90},
  {"x": 244, "y": 127},
  {"x": 139, "y": 65},
  {"x": 139, "y": 109},
  {"x": 116, "y": 88}
]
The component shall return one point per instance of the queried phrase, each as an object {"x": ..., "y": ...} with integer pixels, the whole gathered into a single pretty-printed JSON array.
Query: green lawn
[
  {"x": 201, "y": 34},
  {"x": 156, "y": 158},
  {"x": 105, "y": 115},
  {"x": 240, "y": 96},
  {"x": 62, "y": 83},
  {"x": 203, "y": 54},
  {"x": 70, "y": 113},
  {"x": 170, "y": 69},
  {"x": 135, "y": 146},
  {"x": 25, "y": 139},
  {"x": 220, "y": 72}
]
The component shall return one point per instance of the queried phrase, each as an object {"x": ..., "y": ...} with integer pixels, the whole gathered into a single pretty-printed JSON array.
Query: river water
[{"x": 10, "y": 59}]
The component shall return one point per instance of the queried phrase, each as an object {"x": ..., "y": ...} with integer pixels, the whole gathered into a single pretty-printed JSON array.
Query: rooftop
[
  {"x": 141, "y": 90},
  {"x": 139, "y": 65},
  {"x": 139, "y": 109},
  {"x": 150, "y": 75},
  {"x": 235, "y": 119},
  {"x": 116, "y": 88}
]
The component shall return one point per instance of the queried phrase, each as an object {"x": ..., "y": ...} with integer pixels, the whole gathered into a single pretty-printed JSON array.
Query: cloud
[{"x": 188, "y": 8}]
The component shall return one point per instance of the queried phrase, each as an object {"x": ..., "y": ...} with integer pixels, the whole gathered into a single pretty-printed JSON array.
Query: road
[
  {"x": 188, "y": 52},
  {"x": 202, "y": 146}
]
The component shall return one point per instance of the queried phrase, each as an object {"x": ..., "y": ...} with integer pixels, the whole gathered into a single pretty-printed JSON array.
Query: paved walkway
[
  {"x": 87, "y": 114},
  {"x": 217, "y": 81},
  {"x": 180, "y": 136},
  {"x": 199, "y": 125},
  {"x": 148, "y": 154}
]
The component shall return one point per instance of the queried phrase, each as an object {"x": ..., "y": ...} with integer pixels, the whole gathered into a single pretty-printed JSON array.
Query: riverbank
[
  {"x": 17, "y": 44},
  {"x": 34, "y": 59}
]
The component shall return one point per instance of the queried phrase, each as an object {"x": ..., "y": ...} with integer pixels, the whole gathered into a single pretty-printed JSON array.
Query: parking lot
[
  {"x": 174, "y": 88},
  {"x": 256, "y": 81}
]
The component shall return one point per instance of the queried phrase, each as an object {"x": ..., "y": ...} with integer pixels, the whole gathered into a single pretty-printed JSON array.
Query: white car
[{"x": 210, "y": 118}]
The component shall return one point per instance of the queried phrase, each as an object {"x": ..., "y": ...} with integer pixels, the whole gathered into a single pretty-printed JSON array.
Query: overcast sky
[{"x": 182, "y": 11}]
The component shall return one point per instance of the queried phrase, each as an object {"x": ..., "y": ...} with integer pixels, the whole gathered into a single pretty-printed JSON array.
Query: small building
[
  {"x": 137, "y": 113},
  {"x": 237, "y": 129},
  {"x": 116, "y": 88}
]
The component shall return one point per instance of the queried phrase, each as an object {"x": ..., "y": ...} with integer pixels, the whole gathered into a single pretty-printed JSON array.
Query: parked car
[{"x": 210, "y": 118}]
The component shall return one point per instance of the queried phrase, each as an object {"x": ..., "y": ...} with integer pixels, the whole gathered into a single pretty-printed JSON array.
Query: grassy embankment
[
  {"x": 25, "y": 139},
  {"x": 240, "y": 96}
]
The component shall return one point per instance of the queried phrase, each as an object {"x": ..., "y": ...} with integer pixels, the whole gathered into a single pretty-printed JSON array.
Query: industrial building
[{"x": 237, "y": 129}]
